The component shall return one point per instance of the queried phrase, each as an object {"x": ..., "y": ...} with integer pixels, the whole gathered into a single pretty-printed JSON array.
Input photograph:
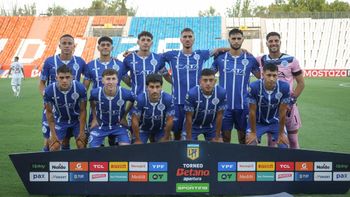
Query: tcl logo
[
  {"x": 284, "y": 166},
  {"x": 98, "y": 166}
]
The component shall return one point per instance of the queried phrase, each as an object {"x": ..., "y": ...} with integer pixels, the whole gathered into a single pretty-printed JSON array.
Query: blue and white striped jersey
[
  {"x": 205, "y": 107},
  {"x": 49, "y": 70},
  {"x": 268, "y": 102},
  {"x": 234, "y": 74},
  {"x": 153, "y": 115},
  {"x": 110, "y": 110},
  {"x": 140, "y": 67},
  {"x": 66, "y": 104},
  {"x": 95, "y": 69},
  {"x": 186, "y": 70}
]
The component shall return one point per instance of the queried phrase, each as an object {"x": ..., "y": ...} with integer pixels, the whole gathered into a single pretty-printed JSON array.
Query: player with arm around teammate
[
  {"x": 108, "y": 107},
  {"x": 205, "y": 105},
  {"x": 268, "y": 100},
  {"x": 153, "y": 112},
  {"x": 68, "y": 99}
]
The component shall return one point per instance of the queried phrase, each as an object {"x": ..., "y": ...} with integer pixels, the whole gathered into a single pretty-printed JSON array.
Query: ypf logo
[{"x": 193, "y": 151}]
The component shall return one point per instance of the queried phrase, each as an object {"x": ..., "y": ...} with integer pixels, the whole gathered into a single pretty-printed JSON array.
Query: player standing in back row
[
  {"x": 17, "y": 72},
  {"x": 288, "y": 70}
]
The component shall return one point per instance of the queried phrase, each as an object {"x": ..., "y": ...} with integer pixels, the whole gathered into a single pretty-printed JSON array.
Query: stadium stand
[{"x": 317, "y": 43}]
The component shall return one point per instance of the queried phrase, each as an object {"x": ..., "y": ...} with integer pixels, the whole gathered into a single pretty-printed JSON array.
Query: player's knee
[
  {"x": 226, "y": 136},
  {"x": 55, "y": 146},
  {"x": 241, "y": 137}
]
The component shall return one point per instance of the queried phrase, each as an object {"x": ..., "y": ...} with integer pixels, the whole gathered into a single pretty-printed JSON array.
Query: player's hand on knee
[
  {"x": 137, "y": 141},
  {"x": 283, "y": 139},
  {"x": 81, "y": 140},
  {"x": 54, "y": 143},
  {"x": 251, "y": 139},
  {"x": 217, "y": 139}
]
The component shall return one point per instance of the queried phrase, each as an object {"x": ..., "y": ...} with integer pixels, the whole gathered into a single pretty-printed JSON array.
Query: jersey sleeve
[
  {"x": 93, "y": 94},
  {"x": 295, "y": 67},
  {"x": 161, "y": 63},
  {"x": 189, "y": 103},
  {"x": 45, "y": 71},
  {"x": 170, "y": 109},
  {"x": 285, "y": 99},
  {"x": 47, "y": 96},
  {"x": 125, "y": 66},
  {"x": 215, "y": 65},
  {"x": 205, "y": 54},
  {"x": 87, "y": 73},
  {"x": 222, "y": 101},
  {"x": 82, "y": 92},
  {"x": 255, "y": 65},
  {"x": 138, "y": 105},
  {"x": 129, "y": 95},
  {"x": 252, "y": 94}
]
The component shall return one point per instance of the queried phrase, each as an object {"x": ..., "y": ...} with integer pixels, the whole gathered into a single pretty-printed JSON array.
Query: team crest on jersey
[
  {"x": 284, "y": 63},
  {"x": 154, "y": 62},
  {"x": 43, "y": 129},
  {"x": 76, "y": 66},
  {"x": 116, "y": 67},
  {"x": 278, "y": 95},
  {"x": 75, "y": 96},
  {"x": 120, "y": 102},
  {"x": 196, "y": 57},
  {"x": 245, "y": 62},
  {"x": 161, "y": 107},
  {"x": 215, "y": 101}
]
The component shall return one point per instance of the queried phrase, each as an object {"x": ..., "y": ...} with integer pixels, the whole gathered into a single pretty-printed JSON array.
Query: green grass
[{"x": 324, "y": 107}]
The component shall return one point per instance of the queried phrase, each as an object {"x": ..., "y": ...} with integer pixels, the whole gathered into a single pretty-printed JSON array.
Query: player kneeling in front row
[
  {"x": 68, "y": 99},
  {"x": 153, "y": 112},
  {"x": 268, "y": 101},
  {"x": 204, "y": 106},
  {"x": 107, "y": 108}
]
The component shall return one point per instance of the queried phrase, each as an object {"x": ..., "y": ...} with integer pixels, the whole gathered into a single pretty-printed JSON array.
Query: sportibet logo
[
  {"x": 193, "y": 151},
  {"x": 192, "y": 187},
  {"x": 58, "y": 166}
]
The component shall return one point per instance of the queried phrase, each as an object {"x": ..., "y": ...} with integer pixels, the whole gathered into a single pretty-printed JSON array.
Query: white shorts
[{"x": 15, "y": 81}]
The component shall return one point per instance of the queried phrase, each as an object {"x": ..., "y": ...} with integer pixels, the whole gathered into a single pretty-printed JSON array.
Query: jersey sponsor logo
[
  {"x": 58, "y": 166},
  {"x": 342, "y": 167},
  {"x": 118, "y": 166},
  {"x": 59, "y": 176},
  {"x": 190, "y": 67},
  {"x": 158, "y": 177},
  {"x": 284, "y": 176},
  {"x": 38, "y": 176},
  {"x": 78, "y": 176},
  {"x": 226, "y": 176},
  {"x": 39, "y": 167},
  {"x": 98, "y": 166},
  {"x": 193, "y": 151},
  {"x": 158, "y": 166},
  {"x": 341, "y": 176},
  {"x": 78, "y": 166},
  {"x": 246, "y": 166},
  {"x": 304, "y": 166},
  {"x": 98, "y": 176},
  {"x": 323, "y": 176},
  {"x": 138, "y": 176},
  {"x": 265, "y": 166},
  {"x": 265, "y": 176},
  {"x": 118, "y": 176},
  {"x": 138, "y": 166},
  {"x": 236, "y": 71},
  {"x": 304, "y": 176},
  {"x": 143, "y": 72},
  {"x": 246, "y": 176},
  {"x": 227, "y": 166},
  {"x": 323, "y": 166},
  {"x": 284, "y": 166}
]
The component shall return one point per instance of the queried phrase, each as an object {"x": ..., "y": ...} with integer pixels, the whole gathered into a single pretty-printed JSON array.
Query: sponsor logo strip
[
  {"x": 192, "y": 187},
  {"x": 158, "y": 166},
  {"x": 98, "y": 176},
  {"x": 118, "y": 166},
  {"x": 226, "y": 176},
  {"x": 138, "y": 166},
  {"x": 304, "y": 166},
  {"x": 341, "y": 167},
  {"x": 246, "y": 176},
  {"x": 341, "y": 176},
  {"x": 284, "y": 176},
  {"x": 38, "y": 176},
  {"x": 323, "y": 166},
  {"x": 58, "y": 166},
  {"x": 98, "y": 166},
  {"x": 59, "y": 176},
  {"x": 138, "y": 176},
  {"x": 304, "y": 176},
  {"x": 227, "y": 166},
  {"x": 78, "y": 166},
  {"x": 323, "y": 176},
  {"x": 284, "y": 166},
  {"x": 265, "y": 176},
  {"x": 245, "y": 166},
  {"x": 39, "y": 167},
  {"x": 78, "y": 176}
]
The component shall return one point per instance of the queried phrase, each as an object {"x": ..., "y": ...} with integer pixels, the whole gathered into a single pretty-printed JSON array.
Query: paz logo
[{"x": 193, "y": 151}]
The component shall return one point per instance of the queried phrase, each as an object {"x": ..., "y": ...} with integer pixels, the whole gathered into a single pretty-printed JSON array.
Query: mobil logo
[
  {"x": 284, "y": 166},
  {"x": 158, "y": 166},
  {"x": 227, "y": 166},
  {"x": 98, "y": 166}
]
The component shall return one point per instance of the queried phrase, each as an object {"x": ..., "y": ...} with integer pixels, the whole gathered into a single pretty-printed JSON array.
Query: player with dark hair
[
  {"x": 65, "y": 104},
  {"x": 153, "y": 112},
  {"x": 268, "y": 100},
  {"x": 204, "y": 106}
]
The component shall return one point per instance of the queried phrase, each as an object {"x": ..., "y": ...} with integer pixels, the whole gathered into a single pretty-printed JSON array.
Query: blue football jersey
[
  {"x": 186, "y": 70},
  {"x": 153, "y": 115},
  {"x": 234, "y": 74},
  {"x": 66, "y": 104},
  {"x": 205, "y": 107},
  {"x": 49, "y": 70},
  {"x": 95, "y": 69},
  {"x": 268, "y": 102},
  {"x": 140, "y": 67},
  {"x": 110, "y": 110}
]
